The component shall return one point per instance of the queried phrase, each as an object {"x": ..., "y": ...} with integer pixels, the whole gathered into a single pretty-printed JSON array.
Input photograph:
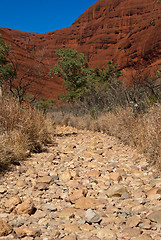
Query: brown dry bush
[{"x": 21, "y": 131}]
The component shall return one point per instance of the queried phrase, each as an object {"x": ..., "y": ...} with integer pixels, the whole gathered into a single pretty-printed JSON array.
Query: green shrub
[
  {"x": 73, "y": 68},
  {"x": 44, "y": 105},
  {"x": 152, "y": 22}
]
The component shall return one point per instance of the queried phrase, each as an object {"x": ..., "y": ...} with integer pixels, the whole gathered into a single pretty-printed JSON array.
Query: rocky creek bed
[{"x": 86, "y": 186}]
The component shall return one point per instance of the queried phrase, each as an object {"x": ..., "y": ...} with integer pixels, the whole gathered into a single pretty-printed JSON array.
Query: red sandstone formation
[{"x": 125, "y": 31}]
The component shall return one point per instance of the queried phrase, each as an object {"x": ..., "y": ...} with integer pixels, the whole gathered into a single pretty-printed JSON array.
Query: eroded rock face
[{"x": 127, "y": 32}]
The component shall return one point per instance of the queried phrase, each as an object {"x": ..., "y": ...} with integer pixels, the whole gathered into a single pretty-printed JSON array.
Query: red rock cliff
[{"x": 125, "y": 31}]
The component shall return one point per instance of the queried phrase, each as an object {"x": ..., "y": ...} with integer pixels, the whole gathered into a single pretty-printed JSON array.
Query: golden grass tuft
[{"x": 21, "y": 131}]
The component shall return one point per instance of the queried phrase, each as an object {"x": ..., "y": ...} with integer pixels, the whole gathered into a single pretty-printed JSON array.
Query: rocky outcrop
[{"x": 127, "y": 32}]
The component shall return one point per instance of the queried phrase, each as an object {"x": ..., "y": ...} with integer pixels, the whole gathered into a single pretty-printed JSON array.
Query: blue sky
[{"x": 41, "y": 15}]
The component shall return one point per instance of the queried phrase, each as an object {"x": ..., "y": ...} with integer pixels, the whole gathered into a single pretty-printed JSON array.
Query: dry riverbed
[{"x": 87, "y": 186}]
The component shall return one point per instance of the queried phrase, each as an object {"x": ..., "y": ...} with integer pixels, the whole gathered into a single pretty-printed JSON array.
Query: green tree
[
  {"x": 44, "y": 105},
  {"x": 12, "y": 79},
  {"x": 109, "y": 74},
  {"x": 7, "y": 70},
  {"x": 105, "y": 89},
  {"x": 73, "y": 68}
]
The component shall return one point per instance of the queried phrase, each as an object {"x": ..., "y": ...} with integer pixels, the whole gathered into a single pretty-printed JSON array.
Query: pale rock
[
  {"x": 21, "y": 183},
  {"x": 125, "y": 195},
  {"x": 70, "y": 237},
  {"x": 145, "y": 224},
  {"x": 76, "y": 194},
  {"x": 111, "y": 209},
  {"x": 39, "y": 214},
  {"x": 94, "y": 173},
  {"x": 25, "y": 231},
  {"x": 93, "y": 238},
  {"x": 4, "y": 215},
  {"x": 131, "y": 232},
  {"x": 41, "y": 186},
  {"x": 66, "y": 213},
  {"x": 2, "y": 190},
  {"x": 45, "y": 179},
  {"x": 71, "y": 228},
  {"x": 116, "y": 191},
  {"x": 49, "y": 206},
  {"x": 154, "y": 193},
  {"x": 55, "y": 233},
  {"x": 90, "y": 154},
  {"x": 144, "y": 237},
  {"x": 115, "y": 176},
  {"x": 69, "y": 149},
  {"x": 106, "y": 233},
  {"x": 29, "y": 238},
  {"x": 65, "y": 176},
  {"x": 107, "y": 220},
  {"x": 107, "y": 183},
  {"x": 138, "y": 193},
  {"x": 80, "y": 214},
  {"x": 44, "y": 221},
  {"x": 86, "y": 202},
  {"x": 53, "y": 174},
  {"x": 92, "y": 217},
  {"x": 157, "y": 238},
  {"x": 64, "y": 196},
  {"x": 155, "y": 216},
  {"x": 86, "y": 227},
  {"x": 133, "y": 221},
  {"x": 74, "y": 184},
  {"x": 12, "y": 202},
  {"x": 31, "y": 172},
  {"x": 138, "y": 182},
  {"x": 74, "y": 174},
  {"x": 158, "y": 182}
]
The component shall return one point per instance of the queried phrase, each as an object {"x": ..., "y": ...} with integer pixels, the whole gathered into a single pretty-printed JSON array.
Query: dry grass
[
  {"x": 147, "y": 134},
  {"x": 142, "y": 131},
  {"x": 21, "y": 131}
]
